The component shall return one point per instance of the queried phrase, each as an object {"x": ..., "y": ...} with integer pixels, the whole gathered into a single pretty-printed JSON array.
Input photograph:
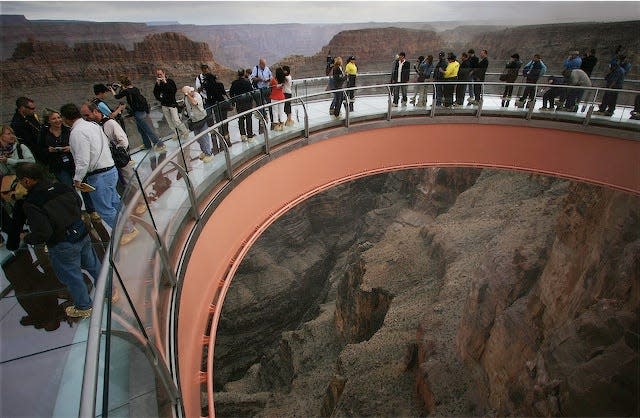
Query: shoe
[
  {"x": 608, "y": 113},
  {"x": 395, "y": 105},
  {"x": 207, "y": 158},
  {"x": 412, "y": 101},
  {"x": 160, "y": 146},
  {"x": 51, "y": 325},
  {"x": 404, "y": 103},
  {"x": 278, "y": 127},
  {"x": 290, "y": 121},
  {"x": 243, "y": 138},
  {"x": 95, "y": 216},
  {"x": 128, "y": 237},
  {"x": 73, "y": 312},
  {"x": 250, "y": 137},
  {"x": 140, "y": 209},
  {"x": 202, "y": 155},
  {"x": 27, "y": 321}
]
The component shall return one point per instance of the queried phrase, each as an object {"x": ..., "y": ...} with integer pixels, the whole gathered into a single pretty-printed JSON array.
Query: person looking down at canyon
[
  {"x": 198, "y": 116},
  {"x": 139, "y": 107},
  {"x": 165, "y": 92}
]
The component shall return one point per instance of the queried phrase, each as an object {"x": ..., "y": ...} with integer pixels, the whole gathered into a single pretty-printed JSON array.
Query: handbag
[
  {"x": 193, "y": 126},
  {"x": 120, "y": 156}
]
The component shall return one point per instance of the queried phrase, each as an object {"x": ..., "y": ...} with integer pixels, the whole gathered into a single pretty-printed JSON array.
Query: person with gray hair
[{"x": 198, "y": 121}]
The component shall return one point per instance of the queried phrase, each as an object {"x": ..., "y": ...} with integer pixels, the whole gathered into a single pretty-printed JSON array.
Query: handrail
[{"x": 90, "y": 377}]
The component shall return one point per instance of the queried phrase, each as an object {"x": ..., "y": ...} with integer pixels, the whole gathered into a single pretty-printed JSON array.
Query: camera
[{"x": 114, "y": 85}]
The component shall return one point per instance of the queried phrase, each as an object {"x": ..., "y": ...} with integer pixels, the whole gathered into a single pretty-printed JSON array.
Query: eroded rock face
[{"x": 514, "y": 294}]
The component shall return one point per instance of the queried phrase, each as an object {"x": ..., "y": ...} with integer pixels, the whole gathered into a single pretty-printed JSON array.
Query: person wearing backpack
[
  {"x": 140, "y": 109},
  {"x": 53, "y": 211}
]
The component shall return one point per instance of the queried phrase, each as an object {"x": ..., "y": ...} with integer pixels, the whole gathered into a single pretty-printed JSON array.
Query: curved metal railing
[{"x": 167, "y": 198}]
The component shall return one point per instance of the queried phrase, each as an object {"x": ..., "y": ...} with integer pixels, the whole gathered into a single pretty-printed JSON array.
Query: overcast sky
[{"x": 235, "y": 12}]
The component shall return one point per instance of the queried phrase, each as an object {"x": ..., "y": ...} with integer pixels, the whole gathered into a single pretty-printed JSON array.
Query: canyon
[{"x": 446, "y": 292}]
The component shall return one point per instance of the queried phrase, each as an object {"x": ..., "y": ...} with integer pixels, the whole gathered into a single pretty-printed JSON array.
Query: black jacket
[
  {"x": 165, "y": 93},
  {"x": 241, "y": 89},
  {"x": 50, "y": 208},
  {"x": 27, "y": 129},
  {"x": 404, "y": 76},
  {"x": 57, "y": 161}
]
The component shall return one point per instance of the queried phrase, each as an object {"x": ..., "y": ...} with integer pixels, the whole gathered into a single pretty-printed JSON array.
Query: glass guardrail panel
[
  {"x": 41, "y": 350},
  {"x": 133, "y": 388}
]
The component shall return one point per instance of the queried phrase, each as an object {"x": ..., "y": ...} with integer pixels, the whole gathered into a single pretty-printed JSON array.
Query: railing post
[
  {"x": 265, "y": 131},
  {"x": 162, "y": 372},
  {"x": 346, "y": 108},
  {"x": 433, "y": 101},
  {"x": 227, "y": 157},
  {"x": 388, "y": 103},
  {"x": 587, "y": 118},
  {"x": 192, "y": 193},
  {"x": 306, "y": 118},
  {"x": 532, "y": 102}
]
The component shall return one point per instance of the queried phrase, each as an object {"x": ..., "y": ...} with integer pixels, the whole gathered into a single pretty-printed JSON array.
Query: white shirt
[
  {"x": 196, "y": 112},
  {"x": 199, "y": 85},
  {"x": 400, "y": 65},
  {"x": 264, "y": 73},
  {"x": 288, "y": 82},
  {"x": 89, "y": 147},
  {"x": 116, "y": 134}
]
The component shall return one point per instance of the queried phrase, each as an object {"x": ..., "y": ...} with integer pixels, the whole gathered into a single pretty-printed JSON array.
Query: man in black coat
[
  {"x": 400, "y": 74},
  {"x": 26, "y": 126}
]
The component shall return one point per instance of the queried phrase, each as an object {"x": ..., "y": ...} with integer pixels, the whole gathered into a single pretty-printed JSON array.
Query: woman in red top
[{"x": 277, "y": 95}]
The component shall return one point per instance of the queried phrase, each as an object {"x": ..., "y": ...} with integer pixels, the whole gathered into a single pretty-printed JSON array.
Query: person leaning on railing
[{"x": 510, "y": 75}]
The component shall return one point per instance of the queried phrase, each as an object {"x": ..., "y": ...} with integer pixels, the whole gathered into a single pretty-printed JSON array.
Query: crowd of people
[{"x": 76, "y": 158}]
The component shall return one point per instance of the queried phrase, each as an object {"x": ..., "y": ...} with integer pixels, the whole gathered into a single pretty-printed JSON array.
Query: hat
[
  {"x": 441, "y": 54},
  {"x": 516, "y": 56},
  {"x": 187, "y": 90}
]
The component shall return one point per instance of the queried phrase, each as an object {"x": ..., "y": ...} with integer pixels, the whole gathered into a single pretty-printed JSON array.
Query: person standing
[
  {"x": 400, "y": 74},
  {"x": 450, "y": 75},
  {"x": 221, "y": 104},
  {"x": 463, "y": 77},
  {"x": 277, "y": 95},
  {"x": 100, "y": 91},
  {"x": 352, "y": 72},
  {"x": 473, "y": 63},
  {"x": 575, "y": 77},
  {"x": 26, "y": 126},
  {"x": 509, "y": 75},
  {"x": 532, "y": 71},
  {"x": 478, "y": 73},
  {"x": 260, "y": 78},
  {"x": 165, "y": 92},
  {"x": 338, "y": 81},
  {"x": 614, "y": 80},
  {"x": 198, "y": 116},
  {"x": 589, "y": 62},
  {"x": 240, "y": 91},
  {"x": 288, "y": 93},
  {"x": 53, "y": 211},
  {"x": 439, "y": 78},
  {"x": 94, "y": 164},
  {"x": 140, "y": 108},
  {"x": 573, "y": 61}
]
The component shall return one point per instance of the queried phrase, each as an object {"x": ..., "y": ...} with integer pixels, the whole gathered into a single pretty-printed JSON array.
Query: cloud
[{"x": 268, "y": 12}]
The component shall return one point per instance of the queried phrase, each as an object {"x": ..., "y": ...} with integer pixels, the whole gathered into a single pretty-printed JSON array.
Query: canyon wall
[{"x": 451, "y": 292}]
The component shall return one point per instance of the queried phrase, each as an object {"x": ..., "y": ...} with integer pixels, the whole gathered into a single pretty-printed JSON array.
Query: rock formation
[{"x": 450, "y": 292}]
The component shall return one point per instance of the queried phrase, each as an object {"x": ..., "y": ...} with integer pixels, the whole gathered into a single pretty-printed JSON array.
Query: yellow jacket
[
  {"x": 451, "y": 70},
  {"x": 351, "y": 69}
]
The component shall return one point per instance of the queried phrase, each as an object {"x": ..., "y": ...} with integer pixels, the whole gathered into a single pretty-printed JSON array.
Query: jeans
[
  {"x": 106, "y": 198},
  {"x": 573, "y": 98},
  {"x": 245, "y": 123},
  {"x": 67, "y": 260},
  {"x": 205, "y": 140},
  {"x": 147, "y": 133},
  {"x": 174, "y": 122},
  {"x": 396, "y": 93}
]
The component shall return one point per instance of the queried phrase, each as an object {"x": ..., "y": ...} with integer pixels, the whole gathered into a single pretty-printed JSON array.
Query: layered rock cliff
[{"x": 513, "y": 294}]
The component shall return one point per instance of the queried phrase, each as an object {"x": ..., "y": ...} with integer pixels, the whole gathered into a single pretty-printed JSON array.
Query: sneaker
[
  {"x": 243, "y": 138},
  {"x": 412, "y": 101},
  {"x": 207, "y": 158},
  {"x": 128, "y": 237},
  {"x": 95, "y": 216},
  {"x": 202, "y": 155},
  {"x": 160, "y": 146},
  {"x": 395, "y": 105},
  {"x": 290, "y": 122},
  {"x": 73, "y": 312}
]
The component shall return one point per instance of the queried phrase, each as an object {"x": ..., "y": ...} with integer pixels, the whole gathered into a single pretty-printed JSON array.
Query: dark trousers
[
  {"x": 245, "y": 123},
  {"x": 460, "y": 92},
  {"x": 438, "y": 92},
  {"x": 449, "y": 87},
  {"x": 477, "y": 90},
  {"x": 529, "y": 92},
  {"x": 573, "y": 98},
  {"x": 338, "y": 97},
  {"x": 609, "y": 101}
]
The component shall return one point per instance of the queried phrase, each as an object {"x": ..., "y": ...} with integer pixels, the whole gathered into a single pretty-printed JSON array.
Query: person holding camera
[
  {"x": 165, "y": 92},
  {"x": 100, "y": 91}
]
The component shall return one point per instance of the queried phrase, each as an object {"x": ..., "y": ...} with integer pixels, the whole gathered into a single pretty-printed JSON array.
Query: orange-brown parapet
[{"x": 284, "y": 182}]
